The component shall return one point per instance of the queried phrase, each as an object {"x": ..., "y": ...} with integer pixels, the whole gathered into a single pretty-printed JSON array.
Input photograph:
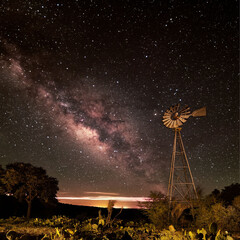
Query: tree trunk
[{"x": 29, "y": 208}]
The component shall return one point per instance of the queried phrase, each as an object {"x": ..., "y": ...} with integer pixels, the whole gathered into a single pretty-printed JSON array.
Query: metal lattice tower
[{"x": 181, "y": 187}]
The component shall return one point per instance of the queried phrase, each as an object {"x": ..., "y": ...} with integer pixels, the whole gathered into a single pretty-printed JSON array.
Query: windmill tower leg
[
  {"x": 181, "y": 187},
  {"x": 170, "y": 182}
]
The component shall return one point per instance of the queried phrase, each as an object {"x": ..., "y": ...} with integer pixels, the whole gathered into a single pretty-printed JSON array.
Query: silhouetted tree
[
  {"x": 212, "y": 198},
  {"x": 216, "y": 192},
  {"x": 236, "y": 202},
  {"x": 1, "y": 180},
  {"x": 26, "y": 182},
  {"x": 229, "y": 193}
]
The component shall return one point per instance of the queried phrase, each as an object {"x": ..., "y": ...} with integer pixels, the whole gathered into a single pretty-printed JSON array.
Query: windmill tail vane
[{"x": 202, "y": 112}]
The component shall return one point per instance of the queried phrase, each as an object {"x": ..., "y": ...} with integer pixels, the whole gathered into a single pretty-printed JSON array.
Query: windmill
[{"x": 181, "y": 187}]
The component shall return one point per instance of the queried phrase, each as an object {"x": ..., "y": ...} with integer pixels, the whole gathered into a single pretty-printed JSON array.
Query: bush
[{"x": 226, "y": 217}]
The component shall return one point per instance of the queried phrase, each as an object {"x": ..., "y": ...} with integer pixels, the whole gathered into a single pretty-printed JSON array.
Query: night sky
[{"x": 84, "y": 86}]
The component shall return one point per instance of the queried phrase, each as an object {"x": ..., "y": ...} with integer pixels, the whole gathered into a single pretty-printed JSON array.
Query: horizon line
[{"x": 107, "y": 198}]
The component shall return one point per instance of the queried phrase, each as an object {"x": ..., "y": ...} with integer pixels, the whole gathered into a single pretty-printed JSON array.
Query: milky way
[
  {"x": 84, "y": 87},
  {"x": 91, "y": 116}
]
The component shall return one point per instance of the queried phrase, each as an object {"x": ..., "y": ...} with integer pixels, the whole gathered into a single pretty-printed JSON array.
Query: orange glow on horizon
[{"x": 102, "y": 201}]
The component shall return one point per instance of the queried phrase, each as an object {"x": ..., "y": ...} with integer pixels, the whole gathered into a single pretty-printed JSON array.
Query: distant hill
[{"x": 9, "y": 206}]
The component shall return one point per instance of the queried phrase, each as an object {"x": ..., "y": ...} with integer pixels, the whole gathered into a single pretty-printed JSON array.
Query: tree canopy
[
  {"x": 156, "y": 209},
  {"x": 2, "y": 188},
  {"x": 27, "y": 182},
  {"x": 229, "y": 193}
]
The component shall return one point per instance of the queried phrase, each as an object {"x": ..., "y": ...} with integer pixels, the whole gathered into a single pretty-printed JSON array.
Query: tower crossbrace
[{"x": 181, "y": 187}]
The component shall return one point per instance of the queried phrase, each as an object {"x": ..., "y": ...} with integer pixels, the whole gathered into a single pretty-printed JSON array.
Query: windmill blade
[
  {"x": 185, "y": 112},
  {"x": 167, "y": 113},
  {"x": 166, "y": 116},
  {"x": 186, "y": 108},
  {"x": 168, "y": 124},
  {"x": 172, "y": 124},
  {"x": 182, "y": 120},
  {"x": 167, "y": 121},
  {"x": 200, "y": 112},
  {"x": 176, "y": 108},
  {"x": 179, "y": 123},
  {"x": 175, "y": 124},
  {"x": 185, "y": 116}
]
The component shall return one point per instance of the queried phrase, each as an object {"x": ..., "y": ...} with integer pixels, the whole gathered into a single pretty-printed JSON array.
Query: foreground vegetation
[
  {"x": 212, "y": 217},
  {"x": 66, "y": 228}
]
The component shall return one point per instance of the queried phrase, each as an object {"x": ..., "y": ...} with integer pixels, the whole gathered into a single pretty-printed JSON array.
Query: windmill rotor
[{"x": 175, "y": 116}]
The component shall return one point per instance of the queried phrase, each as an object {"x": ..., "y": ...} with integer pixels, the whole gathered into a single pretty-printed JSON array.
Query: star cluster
[{"x": 84, "y": 85}]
